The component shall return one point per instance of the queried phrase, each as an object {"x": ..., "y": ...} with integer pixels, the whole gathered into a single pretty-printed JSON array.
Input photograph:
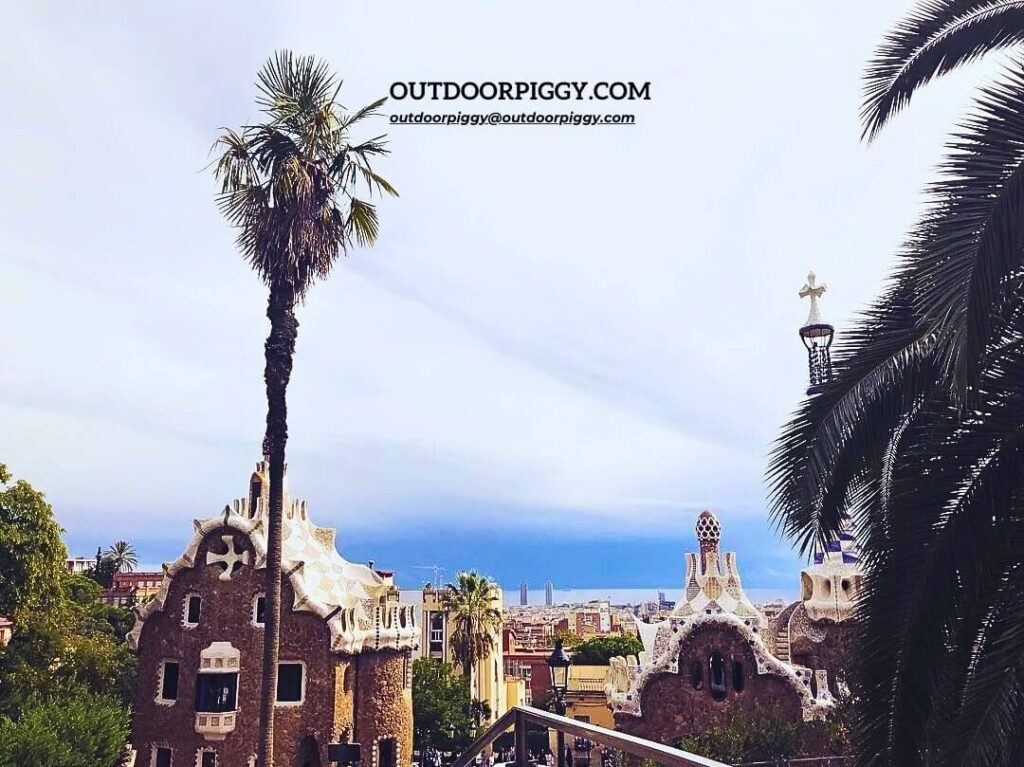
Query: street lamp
[{"x": 558, "y": 665}]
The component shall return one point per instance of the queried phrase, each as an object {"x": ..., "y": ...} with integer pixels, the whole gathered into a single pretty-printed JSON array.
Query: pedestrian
[{"x": 568, "y": 757}]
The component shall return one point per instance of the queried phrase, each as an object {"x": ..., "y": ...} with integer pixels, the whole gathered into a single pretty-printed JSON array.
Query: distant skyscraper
[
  {"x": 661, "y": 596},
  {"x": 524, "y": 598},
  {"x": 549, "y": 593}
]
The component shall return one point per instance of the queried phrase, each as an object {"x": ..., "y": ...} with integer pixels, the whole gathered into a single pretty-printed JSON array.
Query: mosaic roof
[{"x": 353, "y": 599}]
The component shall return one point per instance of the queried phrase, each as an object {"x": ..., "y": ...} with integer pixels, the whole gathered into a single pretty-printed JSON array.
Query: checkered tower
[
  {"x": 713, "y": 583},
  {"x": 709, "y": 537}
]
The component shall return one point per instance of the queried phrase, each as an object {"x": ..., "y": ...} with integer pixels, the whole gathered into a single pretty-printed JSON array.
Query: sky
[{"x": 568, "y": 340}]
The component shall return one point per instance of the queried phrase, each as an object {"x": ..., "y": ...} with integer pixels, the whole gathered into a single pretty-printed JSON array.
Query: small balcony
[{"x": 216, "y": 726}]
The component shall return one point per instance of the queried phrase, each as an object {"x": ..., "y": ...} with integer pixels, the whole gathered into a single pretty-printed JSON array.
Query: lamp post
[{"x": 558, "y": 665}]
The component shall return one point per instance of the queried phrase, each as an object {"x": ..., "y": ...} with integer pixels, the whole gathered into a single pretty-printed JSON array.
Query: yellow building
[
  {"x": 585, "y": 698},
  {"x": 487, "y": 681}
]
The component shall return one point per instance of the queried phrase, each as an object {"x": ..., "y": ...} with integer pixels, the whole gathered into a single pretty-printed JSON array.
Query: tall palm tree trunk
[{"x": 280, "y": 348}]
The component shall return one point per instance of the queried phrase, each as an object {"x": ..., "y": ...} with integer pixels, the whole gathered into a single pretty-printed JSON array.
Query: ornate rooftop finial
[
  {"x": 817, "y": 337},
  {"x": 708, "y": 528},
  {"x": 815, "y": 291}
]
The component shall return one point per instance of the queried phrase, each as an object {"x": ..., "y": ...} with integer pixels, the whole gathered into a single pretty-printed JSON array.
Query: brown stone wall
[
  {"x": 831, "y": 653},
  {"x": 226, "y": 615},
  {"x": 383, "y": 704},
  {"x": 672, "y": 709}
]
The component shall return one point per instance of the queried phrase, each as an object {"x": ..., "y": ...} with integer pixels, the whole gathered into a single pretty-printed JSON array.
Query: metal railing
[
  {"x": 522, "y": 716},
  {"x": 803, "y": 761}
]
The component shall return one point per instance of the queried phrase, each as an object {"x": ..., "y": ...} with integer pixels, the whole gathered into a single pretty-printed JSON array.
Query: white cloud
[{"x": 600, "y": 321}]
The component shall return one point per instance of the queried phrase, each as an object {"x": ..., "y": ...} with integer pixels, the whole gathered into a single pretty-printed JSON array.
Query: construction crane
[{"x": 437, "y": 570}]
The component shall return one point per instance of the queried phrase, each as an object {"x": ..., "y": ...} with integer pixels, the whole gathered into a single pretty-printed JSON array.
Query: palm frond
[
  {"x": 362, "y": 222},
  {"x": 972, "y": 241},
  {"x": 370, "y": 110},
  {"x": 936, "y": 37}
]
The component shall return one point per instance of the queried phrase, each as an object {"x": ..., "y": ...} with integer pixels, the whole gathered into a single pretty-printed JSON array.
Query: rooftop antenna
[{"x": 436, "y": 569}]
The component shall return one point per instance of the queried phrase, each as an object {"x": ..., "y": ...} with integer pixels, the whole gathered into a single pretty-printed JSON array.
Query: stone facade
[
  {"x": 203, "y": 632},
  {"x": 716, "y": 655},
  {"x": 675, "y": 704}
]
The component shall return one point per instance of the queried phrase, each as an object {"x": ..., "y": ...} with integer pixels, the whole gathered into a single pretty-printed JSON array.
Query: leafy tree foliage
[
  {"x": 66, "y": 676},
  {"x": 76, "y": 732},
  {"x": 764, "y": 737},
  {"x": 103, "y": 572},
  {"x": 441, "y": 700},
  {"x": 32, "y": 555},
  {"x": 78, "y": 650},
  {"x": 597, "y": 651},
  {"x": 569, "y": 638}
]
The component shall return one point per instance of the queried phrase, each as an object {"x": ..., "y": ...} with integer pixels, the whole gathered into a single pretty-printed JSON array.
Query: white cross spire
[{"x": 815, "y": 291}]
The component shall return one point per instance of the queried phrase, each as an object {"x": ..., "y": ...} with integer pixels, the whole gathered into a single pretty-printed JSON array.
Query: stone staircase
[{"x": 782, "y": 643}]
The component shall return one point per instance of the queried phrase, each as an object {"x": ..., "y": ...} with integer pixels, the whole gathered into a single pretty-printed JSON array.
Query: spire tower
[{"x": 817, "y": 336}]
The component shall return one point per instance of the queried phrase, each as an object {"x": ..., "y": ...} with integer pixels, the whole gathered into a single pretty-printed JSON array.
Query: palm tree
[
  {"x": 470, "y": 602},
  {"x": 122, "y": 556},
  {"x": 288, "y": 185},
  {"x": 920, "y": 437}
]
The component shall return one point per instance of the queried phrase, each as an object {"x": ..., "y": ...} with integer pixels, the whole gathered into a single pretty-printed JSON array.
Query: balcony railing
[{"x": 520, "y": 717}]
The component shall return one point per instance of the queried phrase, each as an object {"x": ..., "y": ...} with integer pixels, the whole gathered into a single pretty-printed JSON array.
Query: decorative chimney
[
  {"x": 709, "y": 535},
  {"x": 817, "y": 336}
]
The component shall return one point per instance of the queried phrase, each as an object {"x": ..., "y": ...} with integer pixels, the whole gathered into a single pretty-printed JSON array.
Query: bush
[
  {"x": 762, "y": 737},
  {"x": 597, "y": 651},
  {"x": 87, "y": 731}
]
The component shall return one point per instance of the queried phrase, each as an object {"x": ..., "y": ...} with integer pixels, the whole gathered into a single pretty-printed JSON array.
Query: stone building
[
  {"x": 345, "y": 670},
  {"x": 128, "y": 589},
  {"x": 815, "y": 631},
  {"x": 716, "y": 654}
]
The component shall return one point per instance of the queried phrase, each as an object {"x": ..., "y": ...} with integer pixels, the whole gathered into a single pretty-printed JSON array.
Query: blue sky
[{"x": 567, "y": 341}]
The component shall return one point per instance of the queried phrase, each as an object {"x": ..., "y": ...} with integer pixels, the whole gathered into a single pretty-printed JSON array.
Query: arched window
[
  {"x": 716, "y": 667},
  {"x": 737, "y": 676},
  {"x": 255, "y": 491},
  {"x": 697, "y": 675}
]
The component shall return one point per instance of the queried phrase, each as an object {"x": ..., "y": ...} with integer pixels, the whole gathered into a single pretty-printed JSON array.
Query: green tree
[
  {"x": 78, "y": 651},
  {"x": 32, "y": 555},
  {"x": 288, "y": 185},
  {"x": 599, "y": 650},
  {"x": 67, "y": 646},
  {"x": 122, "y": 556},
  {"x": 75, "y": 732},
  {"x": 103, "y": 572},
  {"x": 919, "y": 436},
  {"x": 475, "y": 614},
  {"x": 763, "y": 737},
  {"x": 442, "y": 706},
  {"x": 569, "y": 638}
]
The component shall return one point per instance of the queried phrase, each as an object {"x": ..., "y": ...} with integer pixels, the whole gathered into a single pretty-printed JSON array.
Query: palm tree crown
[
  {"x": 471, "y": 605},
  {"x": 122, "y": 555},
  {"x": 289, "y": 183}
]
